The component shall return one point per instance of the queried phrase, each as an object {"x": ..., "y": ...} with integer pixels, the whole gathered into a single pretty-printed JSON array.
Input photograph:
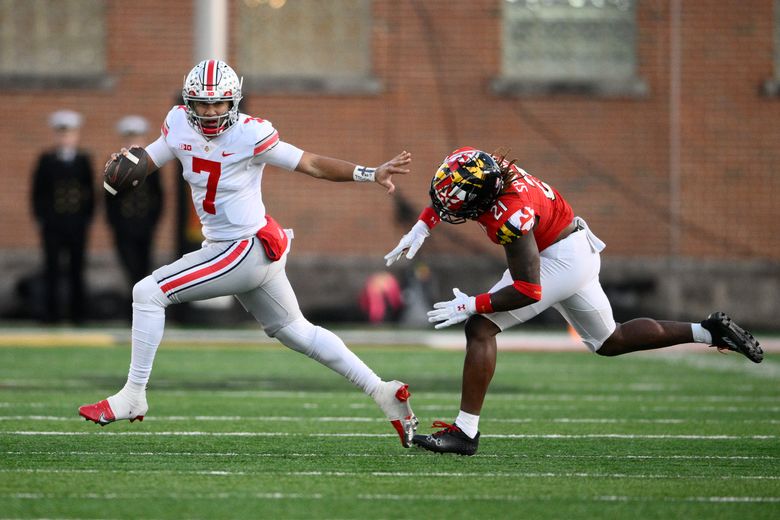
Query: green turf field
[{"x": 267, "y": 433}]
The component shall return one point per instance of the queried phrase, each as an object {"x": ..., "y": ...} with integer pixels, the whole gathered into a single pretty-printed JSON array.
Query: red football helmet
[{"x": 466, "y": 184}]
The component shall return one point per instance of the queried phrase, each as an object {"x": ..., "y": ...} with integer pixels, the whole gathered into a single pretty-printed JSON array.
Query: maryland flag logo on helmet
[{"x": 466, "y": 184}]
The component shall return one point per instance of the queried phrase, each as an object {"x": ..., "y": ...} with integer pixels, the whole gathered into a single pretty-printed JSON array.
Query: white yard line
[
  {"x": 514, "y": 340},
  {"x": 626, "y": 395},
  {"x": 449, "y": 407},
  {"x": 394, "y": 474},
  {"x": 206, "y": 418},
  {"x": 766, "y": 370},
  {"x": 386, "y": 497},
  {"x": 370, "y": 435},
  {"x": 256, "y": 454},
  {"x": 344, "y": 419}
]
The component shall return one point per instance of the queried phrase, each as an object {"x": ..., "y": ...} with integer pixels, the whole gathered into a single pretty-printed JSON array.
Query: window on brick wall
[
  {"x": 52, "y": 43},
  {"x": 306, "y": 45},
  {"x": 772, "y": 85},
  {"x": 572, "y": 46}
]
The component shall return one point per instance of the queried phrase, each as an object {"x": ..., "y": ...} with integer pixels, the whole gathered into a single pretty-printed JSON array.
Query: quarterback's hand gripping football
[
  {"x": 453, "y": 311},
  {"x": 384, "y": 174},
  {"x": 125, "y": 170},
  {"x": 410, "y": 243}
]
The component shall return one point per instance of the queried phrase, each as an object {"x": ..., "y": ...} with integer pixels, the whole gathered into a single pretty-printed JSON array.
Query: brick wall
[{"x": 436, "y": 59}]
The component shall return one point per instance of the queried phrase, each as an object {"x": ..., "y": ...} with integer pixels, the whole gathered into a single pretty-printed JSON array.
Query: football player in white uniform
[{"x": 223, "y": 153}]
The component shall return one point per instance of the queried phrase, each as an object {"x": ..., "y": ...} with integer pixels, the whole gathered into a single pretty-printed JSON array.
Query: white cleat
[{"x": 393, "y": 398}]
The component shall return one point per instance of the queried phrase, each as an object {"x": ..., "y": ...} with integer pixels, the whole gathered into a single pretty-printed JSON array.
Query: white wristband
[{"x": 363, "y": 174}]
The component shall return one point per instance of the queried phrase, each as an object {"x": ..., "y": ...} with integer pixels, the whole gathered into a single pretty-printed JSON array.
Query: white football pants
[
  {"x": 240, "y": 268},
  {"x": 570, "y": 285}
]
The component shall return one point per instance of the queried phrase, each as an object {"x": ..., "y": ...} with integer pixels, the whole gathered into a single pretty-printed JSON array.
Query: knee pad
[{"x": 148, "y": 293}]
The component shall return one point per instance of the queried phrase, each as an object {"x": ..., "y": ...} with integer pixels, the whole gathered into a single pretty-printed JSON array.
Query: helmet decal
[
  {"x": 466, "y": 184},
  {"x": 210, "y": 74}
]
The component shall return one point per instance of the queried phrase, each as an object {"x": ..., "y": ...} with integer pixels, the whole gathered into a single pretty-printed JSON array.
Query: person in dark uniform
[
  {"x": 133, "y": 214},
  {"x": 63, "y": 204}
]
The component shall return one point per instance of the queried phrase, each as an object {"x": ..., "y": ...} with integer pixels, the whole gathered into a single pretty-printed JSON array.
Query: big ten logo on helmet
[{"x": 185, "y": 146}]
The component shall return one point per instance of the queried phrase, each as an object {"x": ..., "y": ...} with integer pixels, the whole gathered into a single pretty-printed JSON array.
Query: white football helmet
[{"x": 211, "y": 81}]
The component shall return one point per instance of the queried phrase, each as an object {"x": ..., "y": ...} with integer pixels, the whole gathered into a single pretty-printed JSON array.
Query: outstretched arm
[
  {"x": 321, "y": 167},
  {"x": 411, "y": 242}
]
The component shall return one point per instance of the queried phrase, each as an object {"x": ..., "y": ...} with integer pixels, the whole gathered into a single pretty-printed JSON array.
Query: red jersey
[{"x": 526, "y": 204}]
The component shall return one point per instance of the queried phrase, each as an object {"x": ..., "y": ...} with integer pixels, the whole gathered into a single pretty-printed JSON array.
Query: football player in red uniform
[{"x": 553, "y": 260}]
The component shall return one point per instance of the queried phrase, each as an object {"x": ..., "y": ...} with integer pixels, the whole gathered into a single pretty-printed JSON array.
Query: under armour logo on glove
[{"x": 453, "y": 311}]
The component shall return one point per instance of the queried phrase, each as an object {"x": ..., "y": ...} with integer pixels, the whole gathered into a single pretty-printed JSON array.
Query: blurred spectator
[
  {"x": 63, "y": 203},
  {"x": 133, "y": 214},
  {"x": 418, "y": 295},
  {"x": 381, "y": 298}
]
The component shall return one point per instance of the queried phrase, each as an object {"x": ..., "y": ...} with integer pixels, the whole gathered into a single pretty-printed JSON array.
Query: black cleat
[
  {"x": 727, "y": 335},
  {"x": 449, "y": 440}
]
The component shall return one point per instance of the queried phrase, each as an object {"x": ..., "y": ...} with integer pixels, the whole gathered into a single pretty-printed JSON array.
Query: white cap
[
  {"x": 132, "y": 125},
  {"x": 65, "y": 120}
]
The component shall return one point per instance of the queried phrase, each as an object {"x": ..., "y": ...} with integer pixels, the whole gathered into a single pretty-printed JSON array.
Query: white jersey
[{"x": 224, "y": 173}]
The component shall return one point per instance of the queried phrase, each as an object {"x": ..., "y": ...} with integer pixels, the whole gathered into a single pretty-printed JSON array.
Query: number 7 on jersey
[{"x": 214, "y": 169}]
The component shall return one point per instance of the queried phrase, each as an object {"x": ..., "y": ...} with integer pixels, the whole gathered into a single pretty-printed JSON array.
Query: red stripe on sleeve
[{"x": 268, "y": 143}]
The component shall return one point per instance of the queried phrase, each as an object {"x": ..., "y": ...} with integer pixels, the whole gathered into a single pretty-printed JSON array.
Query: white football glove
[
  {"x": 410, "y": 243},
  {"x": 453, "y": 311}
]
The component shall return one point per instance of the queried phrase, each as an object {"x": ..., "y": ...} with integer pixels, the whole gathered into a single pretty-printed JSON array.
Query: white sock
[
  {"x": 700, "y": 334},
  {"x": 468, "y": 423},
  {"x": 133, "y": 391},
  {"x": 149, "y": 303},
  {"x": 325, "y": 347},
  {"x": 129, "y": 401},
  {"x": 331, "y": 351},
  {"x": 148, "y": 328}
]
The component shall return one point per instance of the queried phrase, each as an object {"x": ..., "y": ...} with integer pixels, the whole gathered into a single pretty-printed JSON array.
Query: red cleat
[
  {"x": 102, "y": 413},
  {"x": 393, "y": 398}
]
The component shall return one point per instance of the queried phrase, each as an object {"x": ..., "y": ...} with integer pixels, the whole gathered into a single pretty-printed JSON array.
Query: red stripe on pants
[{"x": 208, "y": 270}]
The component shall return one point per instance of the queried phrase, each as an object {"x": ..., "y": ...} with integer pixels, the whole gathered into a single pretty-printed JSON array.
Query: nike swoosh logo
[{"x": 227, "y": 154}]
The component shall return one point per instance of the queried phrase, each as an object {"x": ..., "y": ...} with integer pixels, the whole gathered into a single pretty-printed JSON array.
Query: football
[{"x": 126, "y": 171}]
